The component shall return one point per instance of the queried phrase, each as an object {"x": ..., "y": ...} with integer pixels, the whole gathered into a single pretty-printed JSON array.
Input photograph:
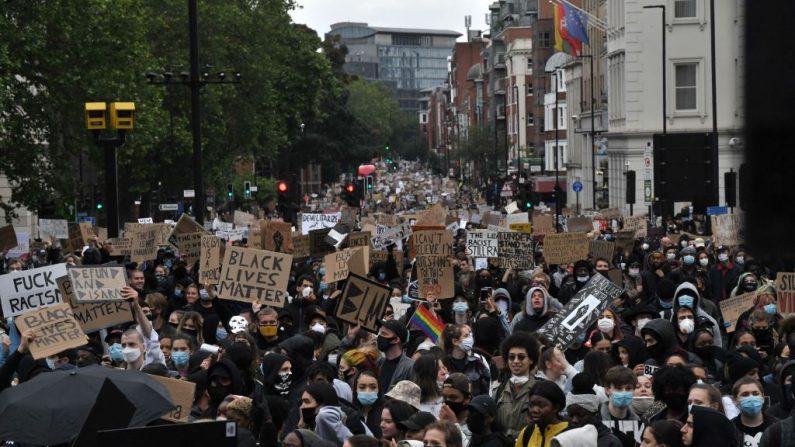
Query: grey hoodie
[
  {"x": 550, "y": 305},
  {"x": 330, "y": 425},
  {"x": 687, "y": 288}
]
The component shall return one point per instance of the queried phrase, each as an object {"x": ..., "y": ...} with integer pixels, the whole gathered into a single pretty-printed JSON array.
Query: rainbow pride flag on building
[
  {"x": 427, "y": 322},
  {"x": 571, "y": 29}
]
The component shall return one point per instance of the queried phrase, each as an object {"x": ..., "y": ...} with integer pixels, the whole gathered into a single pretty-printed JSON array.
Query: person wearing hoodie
[
  {"x": 688, "y": 270},
  {"x": 660, "y": 339},
  {"x": 223, "y": 379},
  {"x": 299, "y": 349},
  {"x": 582, "y": 273},
  {"x": 706, "y": 427},
  {"x": 536, "y": 311},
  {"x": 656, "y": 271},
  {"x": 686, "y": 295},
  {"x": 746, "y": 283},
  {"x": 782, "y": 433},
  {"x": 320, "y": 411},
  {"x": 304, "y": 438},
  {"x": 482, "y": 422},
  {"x": 582, "y": 406},
  {"x": 671, "y": 387},
  {"x": 629, "y": 352}
]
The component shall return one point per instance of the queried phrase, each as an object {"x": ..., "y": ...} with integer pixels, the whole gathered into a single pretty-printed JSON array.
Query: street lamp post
[
  {"x": 195, "y": 81},
  {"x": 557, "y": 170}
]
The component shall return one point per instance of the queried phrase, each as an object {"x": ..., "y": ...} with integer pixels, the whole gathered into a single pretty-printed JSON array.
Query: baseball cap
[
  {"x": 484, "y": 405},
  {"x": 458, "y": 381},
  {"x": 417, "y": 421}
]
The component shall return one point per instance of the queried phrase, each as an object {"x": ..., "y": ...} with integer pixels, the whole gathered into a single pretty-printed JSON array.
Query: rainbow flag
[
  {"x": 571, "y": 29},
  {"x": 427, "y": 322}
]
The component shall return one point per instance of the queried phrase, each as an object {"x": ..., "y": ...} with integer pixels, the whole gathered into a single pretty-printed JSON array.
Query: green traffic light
[{"x": 100, "y": 206}]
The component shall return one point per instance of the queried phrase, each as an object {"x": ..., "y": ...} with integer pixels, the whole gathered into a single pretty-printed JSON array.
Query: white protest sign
[
  {"x": 23, "y": 246},
  {"x": 53, "y": 228},
  {"x": 28, "y": 290},
  {"x": 145, "y": 220},
  {"x": 315, "y": 221},
  {"x": 511, "y": 208},
  {"x": 482, "y": 243},
  {"x": 391, "y": 235}
]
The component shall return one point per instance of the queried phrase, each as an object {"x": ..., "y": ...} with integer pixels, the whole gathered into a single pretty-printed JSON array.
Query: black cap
[
  {"x": 484, "y": 405},
  {"x": 417, "y": 421},
  {"x": 398, "y": 328}
]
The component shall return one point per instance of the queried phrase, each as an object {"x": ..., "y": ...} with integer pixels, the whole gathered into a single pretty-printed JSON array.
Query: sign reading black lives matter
[
  {"x": 28, "y": 290},
  {"x": 96, "y": 284},
  {"x": 252, "y": 275},
  {"x": 55, "y": 330},
  {"x": 363, "y": 301},
  {"x": 579, "y": 313}
]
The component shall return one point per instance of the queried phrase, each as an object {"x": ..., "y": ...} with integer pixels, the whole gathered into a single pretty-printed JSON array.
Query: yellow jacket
[{"x": 539, "y": 438}]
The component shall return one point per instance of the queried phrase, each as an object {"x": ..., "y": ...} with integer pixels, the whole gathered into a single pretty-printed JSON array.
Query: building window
[
  {"x": 684, "y": 9},
  {"x": 686, "y": 87},
  {"x": 530, "y": 119},
  {"x": 423, "y": 118},
  {"x": 530, "y": 64},
  {"x": 543, "y": 40},
  {"x": 529, "y": 90}
]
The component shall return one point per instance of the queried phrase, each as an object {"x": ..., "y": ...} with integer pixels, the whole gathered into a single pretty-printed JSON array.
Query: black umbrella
[{"x": 53, "y": 407}]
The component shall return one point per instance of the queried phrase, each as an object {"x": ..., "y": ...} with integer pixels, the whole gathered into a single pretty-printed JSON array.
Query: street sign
[
  {"x": 648, "y": 174},
  {"x": 647, "y": 194},
  {"x": 506, "y": 191},
  {"x": 91, "y": 219},
  {"x": 577, "y": 186},
  {"x": 168, "y": 207},
  {"x": 253, "y": 188},
  {"x": 717, "y": 210},
  {"x": 189, "y": 193}
]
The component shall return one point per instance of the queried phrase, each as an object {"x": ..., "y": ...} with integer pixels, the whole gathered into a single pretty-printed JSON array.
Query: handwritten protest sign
[
  {"x": 637, "y": 224},
  {"x": 579, "y": 224},
  {"x": 339, "y": 264},
  {"x": 95, "y": 316},
  {"x": 29, "y": 290},
  {"x": 242, "y": 218},
  {"x": 8, "y": 238},
  {"x": 277, "y": 236},
  {"x": 363, "y": 301},
  {"x": 580, "y": 312},
  {"x": 515, "y": 250},
  {"x": 75, "y": 241},
  {"x": 561, "y": 248},
  {"x": 185, "y": 224},
  {"x": 377, "y": 256},
  {"x": 182, "y": 393},
  {"x": 434, "y": 270},
  {"x": 543, "y": 224},
  {"x": 785, "y": 290},
  {"x": 189, "y": 246},
  {"x": 252, "y": 275},
  {"x": 119, "y": 246},
  {"x": 300, "y": 246},
  {"x": 144, "y": 243},
  {"x": 53, "y": 229},
  {"x": 162, "y": 231},
  {"x": 92, "y": 284},
  {"x": 254, "y": 236},
  {"x": 434, "y": 216},
  {"x": 317, "y": 243},
  {"x": 359, "y": 262},
  {"x": 391, "y": 236},
  {"x": 727, "y": 229},
  {"x": 23, "y": 246},
  {"x": 210, "y": 260},
  {"x": 55, "y": 330},
  {"x": 732, "y": 308},
  {"x": 602, "y": 249},
  {"x": 482, "y": 243},
  {"x": 359, "y": 239},
  {"x": 314, "y": 221}
]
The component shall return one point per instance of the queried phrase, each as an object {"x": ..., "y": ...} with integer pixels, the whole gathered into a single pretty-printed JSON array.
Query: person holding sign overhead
[{"x": 141, "y": 345}]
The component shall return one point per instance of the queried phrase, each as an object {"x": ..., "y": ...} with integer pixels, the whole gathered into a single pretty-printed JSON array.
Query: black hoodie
[
  {"x": 663, "y": 332},
  {"x": 711, "y": 428},
  {"x": 223, "y": 368}
]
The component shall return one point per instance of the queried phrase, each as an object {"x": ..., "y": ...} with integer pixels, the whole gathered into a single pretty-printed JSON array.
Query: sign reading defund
[
  {"x": 28, "y": 290},
  {"x": 252, "y": 275}
]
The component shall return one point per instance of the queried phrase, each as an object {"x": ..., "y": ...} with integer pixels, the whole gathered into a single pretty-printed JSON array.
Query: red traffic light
[
  {"x": 350, "y": 188},
  {"x": 282, "y": 187}
]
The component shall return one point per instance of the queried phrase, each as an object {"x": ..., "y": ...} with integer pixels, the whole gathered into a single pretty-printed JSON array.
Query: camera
[{"x": 485, "y": 293}]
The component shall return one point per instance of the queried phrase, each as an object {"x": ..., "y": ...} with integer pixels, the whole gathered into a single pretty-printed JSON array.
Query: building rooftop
[{"x": 389, "y": 30}]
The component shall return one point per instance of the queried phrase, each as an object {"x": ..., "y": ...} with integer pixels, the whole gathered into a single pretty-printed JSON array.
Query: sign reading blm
[
  {"x": 252, "y": 275},
  {"x": 28, "y": 290},
  {"x": 363, "y": 301},
  {"x": 580, "y": 312},
  {"x": 96, "y": 284}
]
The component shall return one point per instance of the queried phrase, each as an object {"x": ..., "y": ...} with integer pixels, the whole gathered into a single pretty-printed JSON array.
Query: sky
[{"x": 436, "y": 14}]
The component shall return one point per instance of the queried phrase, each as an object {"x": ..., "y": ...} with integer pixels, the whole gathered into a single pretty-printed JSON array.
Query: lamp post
[
  {"x": 195, "y": 82},
  {"x": 557, "y": 170}
]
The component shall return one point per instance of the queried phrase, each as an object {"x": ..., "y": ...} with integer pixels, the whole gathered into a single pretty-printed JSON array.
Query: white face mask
[
  {"x": 131, "y": 354},
  {"x": 704, "y": 262},
  {"x": 606, "y": 324},
  {"x": 687, "y": 326},
  {"x": 332, "y": 358},
  {"x": 519, "y": 380},
  {"x": 634, "y": 272},
  {"x": 642, "y": 323},
  {"x": 723, "y": 257},
  {"x": 644, "y": 246},
  {"x": 306, "y": 292},
  {"x": 503, "y": 307},
  {"x": 319, "y": 328},
  {"x": 622, "y": 265},
  {"x": 467, "y": 343},
  {"x": 670, "y": 256}
]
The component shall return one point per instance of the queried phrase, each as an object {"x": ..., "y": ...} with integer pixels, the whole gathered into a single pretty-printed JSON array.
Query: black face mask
[
  {"x": 217, "y": 393},
  {"x": 476, "y": 422},
  {"x": 763, "y": 335},
  {"x": 81, "y": 363},
  {"x": 750, "y": 286},
  {"x": 384, "y": 343},
  {"x": 309, "y": 416},
  {"x": 705, "y": 352},
  {"x": 655, "y": 351},
  {"x": 191, "y": 332},
  {"x": 676, "y": 401},
  {"x": 457, "y": 407}
]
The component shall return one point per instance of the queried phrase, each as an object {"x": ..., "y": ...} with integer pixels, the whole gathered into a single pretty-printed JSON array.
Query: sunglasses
[{"x": 519, "y": 357}]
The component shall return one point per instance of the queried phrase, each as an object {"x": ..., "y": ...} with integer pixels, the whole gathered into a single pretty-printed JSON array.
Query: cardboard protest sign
[
  {"x": 52, "y": 229},
  {"x": 602, "y": 249},
  {"x": 225, "y": 226},
  {"x": 434, "y": 270},
  {"x": 579, "y": 225},
  {"x": 561, "y": 248},
  {"x": 377, "y": 256},
  {"x": 515, "y": 250},
  {"x": 611, "y": 213},
  {"x": 317, "y": 243},
  {"x": 55, "y": 330},
  {"x": 616, "y": 276},
  {"x": 433, "y": 216},
  {"x": 300, "y": 246},
  {"x": 185, "y": 224},
  {"x": 339, "y": 264},
  {"x": 391, "y": 236},
  {"x": 785, "y": 291},
  {"x": 580, "y": 312},
  {"x": 637, "y": 224},
  {"x": 482, "y": 243},
  {"x": 189, "y": 246},
  {"x": 453, "y": 228},
  {"x": 119, "y": 246},
  {"x": 252, "y": 275},
  {"x": 625, "y": 241},
  {"x": 314, "y": 221},
  {"x": 162, "y": 231},
  {"x": 732, "y": 308},
  {"x": 87, "y": 232},
  {"x": 242, "y": 218},
  {"x": 144, "y": 244},
  {"x": 727, "y": 229},
  {"x": 29, "y": 290},
  {"x": 75, "y": 241},
  {"x": 543, "y": 224},
  {"x": 93, "y": 284},
  {"x": 359, "y": 239},
  {"x": 363, "y": 301},
  {"x": 277, "y": 236},
  {"x": 182, "y": 393},
  {"x": 359, "y": 262},
  {"x": 95, "y": 316},
  {"x": 511, "y": 208},
  {"x": 254, "y": 236},
  {"x": 8, "y": 238},
  {"x": 210, "y": 260}
]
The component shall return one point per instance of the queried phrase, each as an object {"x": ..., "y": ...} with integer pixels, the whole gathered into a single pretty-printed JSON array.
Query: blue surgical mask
[
  {"x": 666, "y": 304},
  {"x": 322, "y": 271},
  {"x": 689, "y": 259},
  {"x": 220, "y": 334},
  {"x": 771, "y": 309},
  {"x": 50, "y": 363},
  {"x": 204, "y": 295},
  {"x": 581, "y": 338},
  {"x": 686, "y": 301},
  {"x": 621, "y": 399},
  {"x": 460, "y": 307},
  {"x": 367, "y": 398},
  {"x": 115, "y": 352},
  {"x": 178, "y": 293},
  {"x": 381, "y": 276},
  {"x": 323, "y": 287},
  {"x": 180, "y": 358},
  {"x": 406, "y": 299},
  {"x": 751, "y": 405}
]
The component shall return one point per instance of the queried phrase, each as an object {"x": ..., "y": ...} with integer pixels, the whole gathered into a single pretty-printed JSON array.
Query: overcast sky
[{"x": 437, "y": 14}]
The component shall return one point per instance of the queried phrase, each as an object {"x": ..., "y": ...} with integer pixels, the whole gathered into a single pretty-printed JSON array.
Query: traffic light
[
  {"x": 230, "y": 194},
  {"x": 283, "y": 204},
  {"x": 247, "y": 190},
  {"x": 351, "y": 194},
  {"x": 630, "y": 187},
  {"x": 100, "y": 205},
  {"x": 370, "y": 183},
  {"x": 281, "y": 187},
  {"x": 387, "y": 147}
]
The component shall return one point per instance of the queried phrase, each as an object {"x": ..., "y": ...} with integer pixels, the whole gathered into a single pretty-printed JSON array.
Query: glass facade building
[{"x": 406, "y": 60}]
